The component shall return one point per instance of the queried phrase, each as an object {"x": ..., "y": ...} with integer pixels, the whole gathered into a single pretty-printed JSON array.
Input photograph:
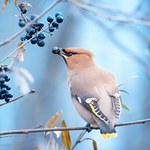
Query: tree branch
[
  {"x": 26, "y": 42},
  {"x": 122, "y": 19},
  {"x": 17, "y": 98},
  {"x": 38, "y": 17},
  {"x": 28, "y": 131},
  {"x": 78, "y": 139}
]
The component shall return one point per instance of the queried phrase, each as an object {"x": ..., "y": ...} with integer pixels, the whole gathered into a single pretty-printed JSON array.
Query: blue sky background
[{"x": 116, "y": 47}]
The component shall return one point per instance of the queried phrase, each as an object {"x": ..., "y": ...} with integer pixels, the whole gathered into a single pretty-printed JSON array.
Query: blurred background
[{"x": 117, "y": 32}]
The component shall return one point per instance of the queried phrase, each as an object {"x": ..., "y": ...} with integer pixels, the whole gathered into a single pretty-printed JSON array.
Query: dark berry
[
  {"x": 39, "y": 24},
  {"x": 34, "y": 40},
  {"x": 59, "y": 19},
  {"x": 55, "y": 24},
  {"x": 21, "y": 23},
  {"x": 6, "y": 69},
  {"x": 22, "y": 38},
  {"x": 3, "y": 91},
  {"x": 39, "y": 28},
  {"x": 51, "y": 29},
  {"x": 31, "y": 31},
  {"x": 2, "y": 96},
  {"x": 2, "y": 80},
  {"x": 28, "y": 36},
  {"x": 50, "y": 19},
  {"x": 41, "y": 36},
  {"x": 6, "y": 86},
  {"x": 58, "y": 14},
  {"x": 6, "y": 78},
  {"x": 23, "y": 9},
  {"x": 33, "y": 16},
  {"x": 41, "y": 43},
  {"x": 8, "y": 95},
  {"x": 7, "y": 100}
]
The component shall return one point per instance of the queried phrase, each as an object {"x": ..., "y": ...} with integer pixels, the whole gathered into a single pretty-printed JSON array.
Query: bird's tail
[
  {"x": 109, "y": 135},
  {"x": 108, "y": 131}
]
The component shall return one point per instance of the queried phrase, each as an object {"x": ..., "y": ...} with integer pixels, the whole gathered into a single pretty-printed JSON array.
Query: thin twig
[
  {"x": 26, "y": 42},
  {"x": 110, "y": 9},
  {"x": 38, "y": 17},
  {"x": 133, "y": 122},
  {"x": 78, "y": 139},
  {"x": 17, "y": 98},
  {"x": 27, "y": 131},
  {"x": 121, "y": 19}
]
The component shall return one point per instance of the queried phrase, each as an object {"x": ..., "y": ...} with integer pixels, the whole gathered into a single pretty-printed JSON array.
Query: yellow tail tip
[{"x": 109, "y": 135}]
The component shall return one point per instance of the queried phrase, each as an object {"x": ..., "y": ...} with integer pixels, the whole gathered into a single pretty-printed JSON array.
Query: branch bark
[{"x": 28, "y": 131}]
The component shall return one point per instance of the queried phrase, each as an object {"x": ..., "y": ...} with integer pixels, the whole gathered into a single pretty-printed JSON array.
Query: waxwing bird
[{"x": 93, "y": 89}]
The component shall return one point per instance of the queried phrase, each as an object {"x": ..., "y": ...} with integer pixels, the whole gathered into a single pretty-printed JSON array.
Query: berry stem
[
  {"x": 19, "y": 97},
  {"x": 10, "y": 54},
  {"x": 24, "y": 19},
  {"x": 28, "y": 25}
]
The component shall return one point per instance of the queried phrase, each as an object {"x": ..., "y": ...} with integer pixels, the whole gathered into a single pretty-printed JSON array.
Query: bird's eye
[{"x": 70, "y": 54}]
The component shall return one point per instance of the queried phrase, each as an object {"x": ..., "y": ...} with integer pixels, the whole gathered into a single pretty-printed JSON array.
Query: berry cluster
[
  {"x": 34, "y": 33},
  {"x": 4, "y": 88},
  {"x": 54, "y": 23}
]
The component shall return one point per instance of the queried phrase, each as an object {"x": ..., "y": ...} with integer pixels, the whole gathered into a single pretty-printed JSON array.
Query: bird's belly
[{"x": 84, "y": 113}]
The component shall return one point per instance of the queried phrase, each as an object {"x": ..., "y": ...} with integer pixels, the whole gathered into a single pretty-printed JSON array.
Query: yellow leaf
[
  {"x": 20, "y": 52},
  {"x": 66, "y": 137},
  {"x": 4, "y": 5},
  {"x": 53, "y": 121},
  {"x": 95, "y": 145},
  {"x": 3, "y": 65},
  {"x": 15, "y": 1}
]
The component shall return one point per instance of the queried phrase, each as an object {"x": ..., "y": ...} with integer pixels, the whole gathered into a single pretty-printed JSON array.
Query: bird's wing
[
  {"x": 116, "y": 101},
  {"x": 91, "y": 104}
]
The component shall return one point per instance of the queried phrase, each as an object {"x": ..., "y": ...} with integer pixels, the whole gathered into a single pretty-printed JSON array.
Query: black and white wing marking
[
  {"x": 116, "y": 100},
  {"x": 90, "y": 103}
]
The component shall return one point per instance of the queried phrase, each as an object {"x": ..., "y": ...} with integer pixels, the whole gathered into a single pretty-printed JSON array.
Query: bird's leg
[{"x": 88, "y": 127}]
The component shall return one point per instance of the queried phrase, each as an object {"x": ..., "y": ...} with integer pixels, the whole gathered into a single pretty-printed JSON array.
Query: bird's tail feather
[
  {"x": 109, "y": 135},
  {"x": 108, "y": 131}
]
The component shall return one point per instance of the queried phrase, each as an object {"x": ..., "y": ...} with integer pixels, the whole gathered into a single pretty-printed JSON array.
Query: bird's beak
[{"x": 59, "y": 51}]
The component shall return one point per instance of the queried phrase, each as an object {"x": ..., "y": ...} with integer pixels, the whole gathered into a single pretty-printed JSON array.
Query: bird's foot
[{"x": 88, "y": 128}]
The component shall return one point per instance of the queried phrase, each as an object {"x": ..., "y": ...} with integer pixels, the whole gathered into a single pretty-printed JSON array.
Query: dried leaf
[
  {"x": 20, "y": 52},
  {"x": 4, "y": 5},
  {"x": 95, "y": 145},
  {"x": 66, "y": 137},
  {"x": 24, "y": 4},
  {"x": 3, "y": 65},
  {"x": 53, "y": 121},
  {"x": 15, "y": 1}
]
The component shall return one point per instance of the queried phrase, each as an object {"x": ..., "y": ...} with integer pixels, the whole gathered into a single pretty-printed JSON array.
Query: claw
[{"x": 88, "y": 128}]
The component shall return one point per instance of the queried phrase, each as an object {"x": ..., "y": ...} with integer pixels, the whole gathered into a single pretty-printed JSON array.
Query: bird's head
[{"x": 75, "y": 57}]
